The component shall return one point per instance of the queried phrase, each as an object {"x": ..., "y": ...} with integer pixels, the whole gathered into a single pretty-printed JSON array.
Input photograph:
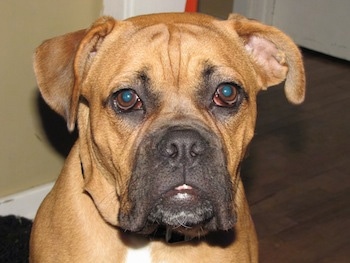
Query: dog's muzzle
[{"x": 180, "y": 180}]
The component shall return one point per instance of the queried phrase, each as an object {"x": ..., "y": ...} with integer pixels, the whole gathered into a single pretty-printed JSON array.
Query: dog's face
[{"x": 166, "y": 108}]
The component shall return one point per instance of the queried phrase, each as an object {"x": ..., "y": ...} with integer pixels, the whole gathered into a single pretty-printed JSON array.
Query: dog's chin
[
  {"x": 183, "y": 207},
  {"x": 184, "y": 210}
]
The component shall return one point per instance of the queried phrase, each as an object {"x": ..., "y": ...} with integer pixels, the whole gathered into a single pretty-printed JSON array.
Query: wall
[
  {"x": 33, "y": 139},
  {"x": 218, "y": 8},
  {"x": 122, "y": 9}
]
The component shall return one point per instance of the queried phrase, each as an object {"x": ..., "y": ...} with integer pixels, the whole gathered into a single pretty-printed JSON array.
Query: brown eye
[
  {"x": 226, "y": 95},
  {"x": 126, "y": 100}
]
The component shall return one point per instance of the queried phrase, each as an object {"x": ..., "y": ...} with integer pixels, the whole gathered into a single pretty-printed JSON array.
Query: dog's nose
[{"x": 182, "y": 146}]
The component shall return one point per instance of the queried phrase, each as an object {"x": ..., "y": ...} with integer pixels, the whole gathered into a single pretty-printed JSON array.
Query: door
[{"x": 321, "y": 25}]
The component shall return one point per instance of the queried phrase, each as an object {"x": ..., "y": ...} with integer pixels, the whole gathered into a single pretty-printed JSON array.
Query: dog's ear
[
  {"x": 60, "y": 64},
  {"x": 275, "y": 55}
]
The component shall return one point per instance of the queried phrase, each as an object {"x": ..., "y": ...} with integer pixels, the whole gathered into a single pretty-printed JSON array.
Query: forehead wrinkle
[
  {"x": 180, "y": 35},
  {"x": 165, "y": 41},
  {"x": 169, "y": 42},
  {"x": 174, "y": 53}
]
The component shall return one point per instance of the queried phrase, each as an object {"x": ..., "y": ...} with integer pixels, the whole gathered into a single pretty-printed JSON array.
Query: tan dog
[{"x": 165, "y": 106}]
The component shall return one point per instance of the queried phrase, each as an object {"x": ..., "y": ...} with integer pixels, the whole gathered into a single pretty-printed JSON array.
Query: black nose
[{"x": 182, "y": 146}]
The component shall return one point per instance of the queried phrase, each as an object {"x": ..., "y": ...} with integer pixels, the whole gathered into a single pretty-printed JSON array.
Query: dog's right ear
[
  {"x": 274, "y": 54},
  {"x": 60, "y": 64}
]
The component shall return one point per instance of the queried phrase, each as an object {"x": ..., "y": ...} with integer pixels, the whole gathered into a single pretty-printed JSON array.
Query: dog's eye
[
  {"x": 126, "y": 100},
  {"x": 226, "y": 95}
]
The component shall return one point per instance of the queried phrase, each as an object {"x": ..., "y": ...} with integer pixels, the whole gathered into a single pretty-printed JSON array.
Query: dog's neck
[
  {"x": 169, "y": 236},
  {"x": 160, "y": 235},
  {"x": 222, "y": 238}
]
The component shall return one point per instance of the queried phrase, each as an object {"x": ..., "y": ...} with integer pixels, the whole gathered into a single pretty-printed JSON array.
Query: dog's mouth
[
  {"x": 181, "y": 213},
  {"x": 182, "y": 192},
  {"x": 181, "y": 195},
  {"x": 183, "y": 209}
]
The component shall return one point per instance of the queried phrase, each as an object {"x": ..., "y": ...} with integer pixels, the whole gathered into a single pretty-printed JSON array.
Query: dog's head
[{"x": 166, "y": 106}]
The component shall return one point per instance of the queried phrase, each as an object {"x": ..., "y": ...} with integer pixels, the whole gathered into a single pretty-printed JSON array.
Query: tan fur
[{"x": 77, "y": 72}]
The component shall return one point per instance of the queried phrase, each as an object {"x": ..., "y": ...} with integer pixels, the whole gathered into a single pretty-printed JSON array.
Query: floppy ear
[
  {"x": 275, "y": 55},
  {"x": 60, "y": 63}
]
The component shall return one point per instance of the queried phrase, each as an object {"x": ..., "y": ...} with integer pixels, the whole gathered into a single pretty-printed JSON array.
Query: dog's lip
[
  {"x": 182, "y": 192},
  {"x": 183, "y": 187}
]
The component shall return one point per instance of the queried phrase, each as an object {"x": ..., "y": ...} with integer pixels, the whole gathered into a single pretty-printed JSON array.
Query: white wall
[{"x": 122, "y": 9}]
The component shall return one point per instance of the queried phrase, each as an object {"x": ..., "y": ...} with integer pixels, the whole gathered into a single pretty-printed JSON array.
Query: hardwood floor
[{"x": 297, "y": 173}]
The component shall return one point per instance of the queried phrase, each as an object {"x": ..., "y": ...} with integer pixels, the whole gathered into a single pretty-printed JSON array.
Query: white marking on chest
[{"x": 137, "y": 255}]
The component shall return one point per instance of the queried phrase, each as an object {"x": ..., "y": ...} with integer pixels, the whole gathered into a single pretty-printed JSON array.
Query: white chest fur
[{"x": 137, "y": 255}]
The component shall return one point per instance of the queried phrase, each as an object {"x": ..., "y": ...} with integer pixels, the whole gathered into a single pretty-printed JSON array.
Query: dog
[{"x": 165, "y": 107}]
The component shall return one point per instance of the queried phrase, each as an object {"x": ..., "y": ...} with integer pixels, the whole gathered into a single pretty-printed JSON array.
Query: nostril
[
  {"x": 195, "y": 151},
  {"x": 168, "y": 149},
  {"x": 172, "y": 150}
]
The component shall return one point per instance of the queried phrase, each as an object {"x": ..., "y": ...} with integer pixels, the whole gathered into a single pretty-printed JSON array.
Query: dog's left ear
[
  {"x": 275, "y": 56},
  {"x": 60, "y": 64}
]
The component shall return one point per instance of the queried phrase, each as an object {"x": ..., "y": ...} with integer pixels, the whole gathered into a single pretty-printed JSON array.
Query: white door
[{"x": 321, "y": 25}]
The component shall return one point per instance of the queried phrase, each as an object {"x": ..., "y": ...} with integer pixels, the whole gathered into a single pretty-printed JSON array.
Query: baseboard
[{"x": 25, "y": 203}]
